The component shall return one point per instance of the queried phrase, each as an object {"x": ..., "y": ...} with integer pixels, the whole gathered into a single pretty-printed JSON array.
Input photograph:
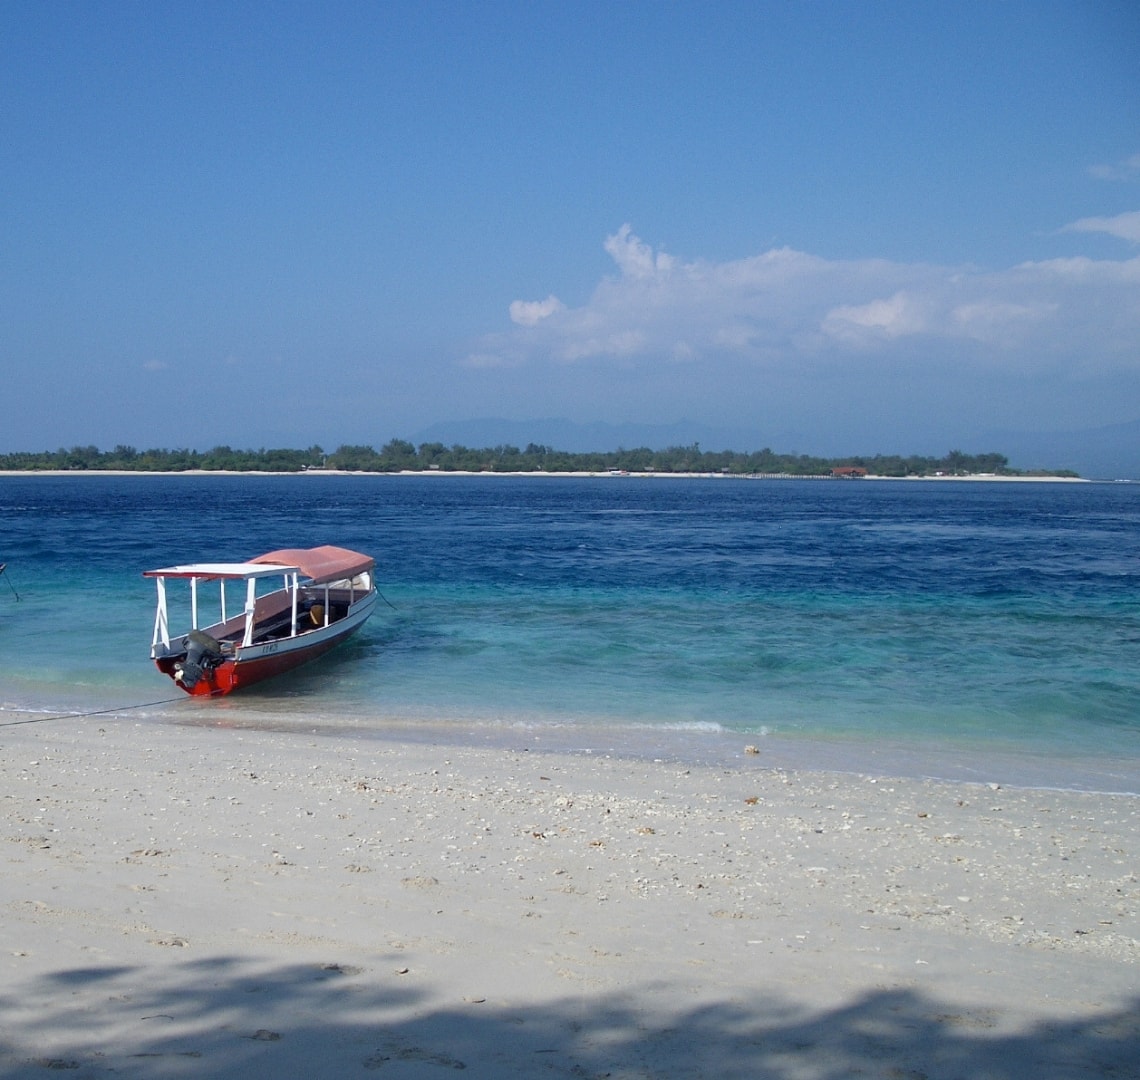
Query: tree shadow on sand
[{"x": 227, "y": 1018}]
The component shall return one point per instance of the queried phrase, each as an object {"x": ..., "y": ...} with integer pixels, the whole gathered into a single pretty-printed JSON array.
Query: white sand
[{"x": 210, "y": 902}]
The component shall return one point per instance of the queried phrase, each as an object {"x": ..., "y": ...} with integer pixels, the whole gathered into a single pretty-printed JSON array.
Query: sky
[{"x": 827, "y": 227}]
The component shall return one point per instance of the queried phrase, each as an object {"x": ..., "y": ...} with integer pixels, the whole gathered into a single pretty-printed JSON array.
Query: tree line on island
[{"x": 398, "y": 455}]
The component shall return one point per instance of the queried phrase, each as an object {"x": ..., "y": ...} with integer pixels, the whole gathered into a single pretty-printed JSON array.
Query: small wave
[
  {"x": 701, "y": 726},
  {"x": 26, "y": 710}
]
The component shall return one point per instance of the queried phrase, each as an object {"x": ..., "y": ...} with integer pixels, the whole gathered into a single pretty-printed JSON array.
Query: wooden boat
[{"x": 290, "y": 607}]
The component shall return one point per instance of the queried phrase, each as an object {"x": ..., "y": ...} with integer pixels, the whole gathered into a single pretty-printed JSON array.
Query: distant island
[{"x": 398, "y": 456}]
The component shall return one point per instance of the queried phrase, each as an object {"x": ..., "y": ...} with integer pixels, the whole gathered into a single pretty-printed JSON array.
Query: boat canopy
[
  {"x": 212, "y": 571},
  {"x": 320, "y": 564}
]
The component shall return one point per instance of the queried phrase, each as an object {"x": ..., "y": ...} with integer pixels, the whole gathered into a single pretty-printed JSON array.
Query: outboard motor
[{"x": 203, "y": 655}]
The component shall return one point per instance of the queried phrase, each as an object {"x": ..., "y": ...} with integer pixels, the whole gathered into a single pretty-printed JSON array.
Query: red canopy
[{"x": 326, "y": 563}]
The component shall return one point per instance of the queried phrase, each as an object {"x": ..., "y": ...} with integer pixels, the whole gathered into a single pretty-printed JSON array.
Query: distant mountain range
[{"x": 1108, "y": 453}]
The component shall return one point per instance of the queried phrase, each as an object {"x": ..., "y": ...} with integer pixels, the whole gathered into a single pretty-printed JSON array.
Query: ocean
[{"x": 979, "y": 631}]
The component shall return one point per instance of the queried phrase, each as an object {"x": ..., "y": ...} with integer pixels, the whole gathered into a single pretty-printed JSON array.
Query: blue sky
[{"x": 828, "y": 227}]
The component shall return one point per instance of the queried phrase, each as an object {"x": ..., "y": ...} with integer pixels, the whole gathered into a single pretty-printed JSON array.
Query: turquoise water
[{"x": 981, "y": 630}]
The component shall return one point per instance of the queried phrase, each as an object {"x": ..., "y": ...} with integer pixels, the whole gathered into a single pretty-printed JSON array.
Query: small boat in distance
[{"x": 290, "y": 607}]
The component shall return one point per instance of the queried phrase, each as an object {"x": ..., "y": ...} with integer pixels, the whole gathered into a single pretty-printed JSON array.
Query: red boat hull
[{"x": 231, "y": 674}]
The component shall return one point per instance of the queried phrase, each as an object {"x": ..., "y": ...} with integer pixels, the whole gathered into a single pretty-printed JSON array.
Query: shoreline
[
  {"x": 259, "y": 903},
  {"x": 976, "y": 477},
  {"x": 880, "y": 758},
  {"x": 897, "y": 757}
]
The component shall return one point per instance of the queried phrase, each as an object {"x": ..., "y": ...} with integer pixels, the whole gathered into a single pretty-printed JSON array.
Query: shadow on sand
[{"x": 228, "y": 1018}]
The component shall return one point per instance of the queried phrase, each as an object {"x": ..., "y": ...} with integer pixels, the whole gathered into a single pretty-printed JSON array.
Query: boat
[{"x": 275, "y": 612}]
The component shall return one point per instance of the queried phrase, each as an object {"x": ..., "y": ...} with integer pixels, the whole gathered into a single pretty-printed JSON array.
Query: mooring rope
[{"x": 96, "y": 712}]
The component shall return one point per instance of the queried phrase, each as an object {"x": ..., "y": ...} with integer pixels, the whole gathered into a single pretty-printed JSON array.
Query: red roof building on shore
[{"x": 849, "y": 472}]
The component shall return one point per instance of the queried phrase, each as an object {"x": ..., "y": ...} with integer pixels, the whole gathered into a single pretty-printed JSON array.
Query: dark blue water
[{"x": 968, "y": 629}]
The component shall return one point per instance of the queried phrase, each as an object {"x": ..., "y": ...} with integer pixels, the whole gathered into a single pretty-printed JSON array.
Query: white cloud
[
  {"x": 898, "y": 316},
  {"x": 1125, "y": 226},
  {"x": 634, "y": 257},
  {"x": 991, "y": 313},
  {"x": 619, "y": 344},
  {"x": 786, "y": 310},
  {"x": 532, "y": 312}
]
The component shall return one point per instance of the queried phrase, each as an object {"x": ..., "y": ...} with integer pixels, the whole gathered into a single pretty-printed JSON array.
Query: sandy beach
[{"x": 201, "y": 901}]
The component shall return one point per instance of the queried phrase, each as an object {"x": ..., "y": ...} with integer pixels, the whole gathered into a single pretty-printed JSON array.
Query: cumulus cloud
[
  {"x": 897, "y": 316},
  {"x": 635, "y": 258},
  {"x": 786, "y": 309},
  {"x": 1125, "y": 226},
  {"x": 532, "y": 312}
]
